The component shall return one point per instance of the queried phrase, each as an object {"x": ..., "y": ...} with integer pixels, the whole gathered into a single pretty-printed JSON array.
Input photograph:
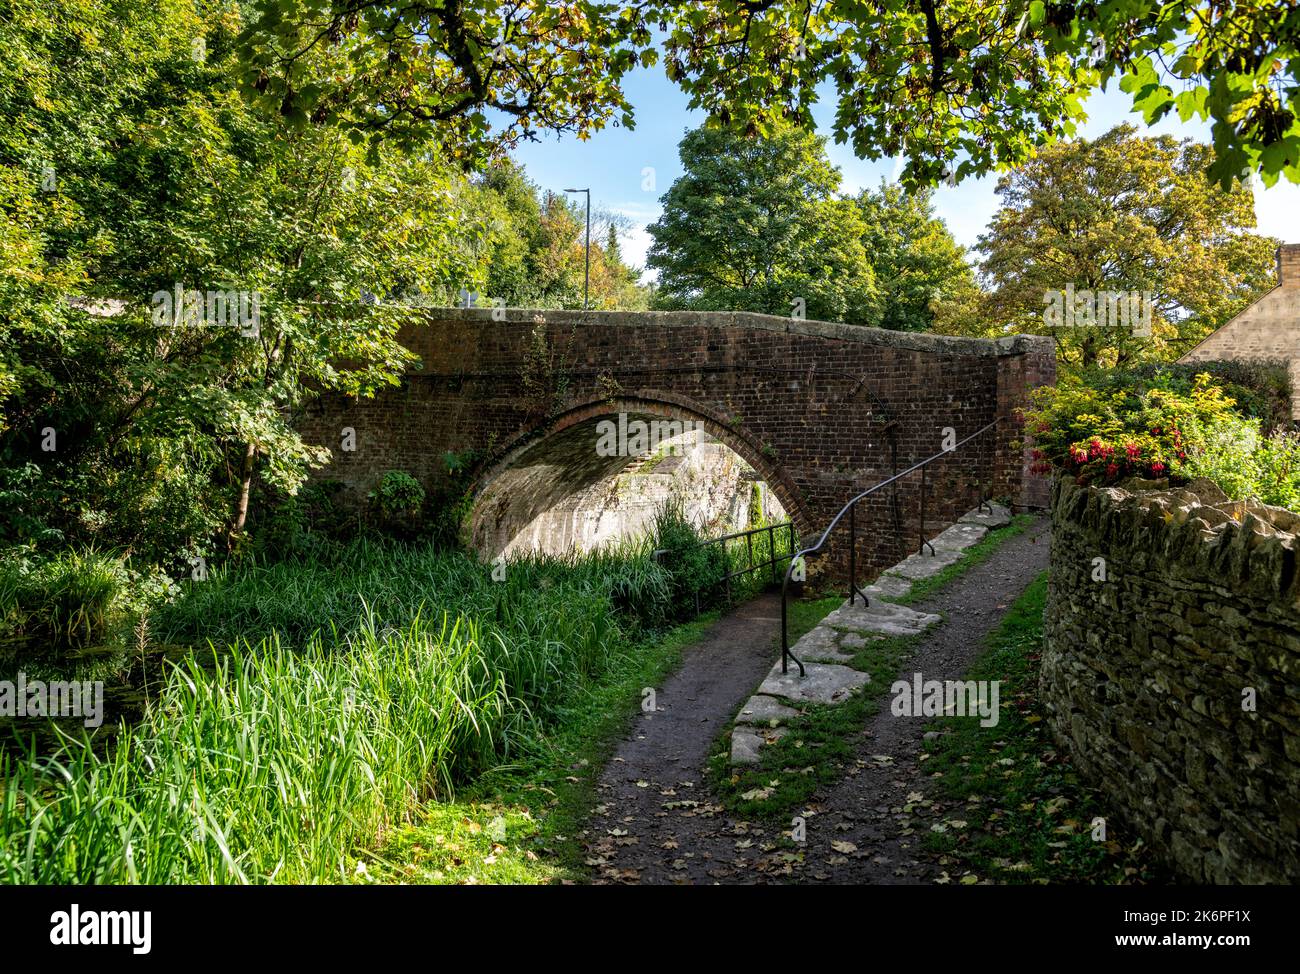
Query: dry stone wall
[{"x": 1170, "y": 671}]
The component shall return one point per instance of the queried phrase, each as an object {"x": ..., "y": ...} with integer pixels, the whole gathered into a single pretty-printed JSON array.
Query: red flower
[
  {"x": 1132, "y": 449},
  {"x": 1157, "y": 468},
  {"x": 1112, "y": 469}
]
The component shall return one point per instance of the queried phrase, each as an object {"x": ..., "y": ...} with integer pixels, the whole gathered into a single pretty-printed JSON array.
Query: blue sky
[{"x": 612, "y": 163}]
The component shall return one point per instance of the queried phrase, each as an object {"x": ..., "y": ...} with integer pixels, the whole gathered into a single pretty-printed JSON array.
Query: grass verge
[
  {"x": 519, "y": 823},
  {"x": 1025, "y": 816}
]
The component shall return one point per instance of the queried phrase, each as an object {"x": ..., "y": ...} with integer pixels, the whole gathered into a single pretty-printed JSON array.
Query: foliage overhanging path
[{"x": 658, "y": 822}]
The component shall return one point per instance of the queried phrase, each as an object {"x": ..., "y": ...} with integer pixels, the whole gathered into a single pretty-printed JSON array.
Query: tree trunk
[{"x": 245, "y": 486}]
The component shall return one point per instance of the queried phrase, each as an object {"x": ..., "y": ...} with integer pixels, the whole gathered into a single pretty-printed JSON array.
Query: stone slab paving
[
  {"x": 889, "y": 587},
  {"x": 834, "y": 641},
  {"x": 821, "y": 683},
  {"x": 926, "y": 565},
  {"x": 765, "y": 710},
  {"x": 886, "y": 618},
  {"x": 960, "y": 536},
  {"x": 822, "y": 645},
  {"x": 747, "y": 742},
  {"x": 999, "y": 518}
]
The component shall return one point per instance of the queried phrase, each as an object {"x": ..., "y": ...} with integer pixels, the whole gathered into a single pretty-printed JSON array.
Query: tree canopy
[
  {"x": 1120, "y": 213},
  {"x": 961, "y": 86},
  {"x": 757, "y": 224},
  {"x": 131, "y": 166},
  {"x": 916, "y": 261}
]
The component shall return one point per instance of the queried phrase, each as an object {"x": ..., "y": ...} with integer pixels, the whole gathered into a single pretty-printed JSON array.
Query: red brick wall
[{"x": 801, "y": 401}]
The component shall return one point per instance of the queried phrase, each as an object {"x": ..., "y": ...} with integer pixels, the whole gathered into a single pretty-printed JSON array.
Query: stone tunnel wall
[
  {"x": 818, "y": 409},
  {"x": 1148, "y": 675}
]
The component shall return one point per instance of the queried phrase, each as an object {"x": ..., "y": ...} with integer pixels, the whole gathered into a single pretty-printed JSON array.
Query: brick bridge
[{"x": 819, "y": 410}]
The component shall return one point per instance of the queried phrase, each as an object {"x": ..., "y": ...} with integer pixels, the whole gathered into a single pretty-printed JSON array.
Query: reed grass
[{"x": 343, "y": 697}]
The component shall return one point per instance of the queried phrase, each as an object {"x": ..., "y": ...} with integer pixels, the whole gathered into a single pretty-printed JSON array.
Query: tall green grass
[
  {"x": 344, "y": 696},
  {"x": 273, "y": 768},
  {"x": 70, "y": 600}
]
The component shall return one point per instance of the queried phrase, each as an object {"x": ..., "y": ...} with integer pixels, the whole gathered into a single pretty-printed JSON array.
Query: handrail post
[
  {"x": 786, "y": 655},
  {"x": 920, "y": 528},
  {"x": 853, "y": 553},
  {"x": 785, "y": 636},
  {"x": 771, "y": 550}
]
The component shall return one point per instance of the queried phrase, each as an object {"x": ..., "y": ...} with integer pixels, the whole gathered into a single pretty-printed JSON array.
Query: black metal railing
[
  {"x": 773, "y": 558},
  {"x": 800, "y": 557}
]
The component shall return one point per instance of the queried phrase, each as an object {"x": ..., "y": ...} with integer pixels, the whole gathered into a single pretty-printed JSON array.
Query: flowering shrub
[{"x": 1104, "y": 435}]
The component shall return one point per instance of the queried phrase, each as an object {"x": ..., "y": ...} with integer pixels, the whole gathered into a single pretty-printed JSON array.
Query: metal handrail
[{"x": 850, "y": 509}]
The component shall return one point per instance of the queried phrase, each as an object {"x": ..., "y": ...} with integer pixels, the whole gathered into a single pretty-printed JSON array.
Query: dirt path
[{"x": 657, "y": 822}]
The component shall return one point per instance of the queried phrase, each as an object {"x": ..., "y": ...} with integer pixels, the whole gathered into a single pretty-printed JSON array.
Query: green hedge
[{"x": 1262, "y": 389}]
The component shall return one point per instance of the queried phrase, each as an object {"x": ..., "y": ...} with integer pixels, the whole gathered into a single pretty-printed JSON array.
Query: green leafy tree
[
  {"x": 1121, "y": 213},
  {"x": 535, "y": 247},
  {"x": 756, "y": 224},
  {"x": 166, "y": 178},
  {"x": 916, "y": 261},
  {"x": 961, "y": 86}
]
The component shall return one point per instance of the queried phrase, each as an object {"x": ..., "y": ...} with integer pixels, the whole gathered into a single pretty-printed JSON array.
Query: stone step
[
  {"x": 889, "y": 587},
  {"x": 765, "y": 711},
  {"x": 747, "y": 742},
  {"x": 822, "y": 645},
  {"x": 1000, "y": 517},
  {"x": 823, "y": 683},
  {"x": 925, "y": 565},
  {"x": 960, "y": 536},
  {"x": 887, "y": 618}
]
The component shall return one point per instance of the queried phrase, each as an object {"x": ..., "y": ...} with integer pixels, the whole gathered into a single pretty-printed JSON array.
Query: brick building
[{"x": 1268, "y": 330}]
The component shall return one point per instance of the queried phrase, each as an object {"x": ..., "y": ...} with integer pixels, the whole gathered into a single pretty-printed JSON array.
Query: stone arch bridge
[{"x": 821, "y": 411}]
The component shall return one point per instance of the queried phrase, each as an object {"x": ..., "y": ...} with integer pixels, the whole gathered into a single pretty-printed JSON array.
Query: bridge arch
[{"x": 555, "y": 463}]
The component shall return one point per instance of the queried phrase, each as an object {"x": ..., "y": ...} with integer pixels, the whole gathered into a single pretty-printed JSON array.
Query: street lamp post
[{"x": 586, "y": 272}]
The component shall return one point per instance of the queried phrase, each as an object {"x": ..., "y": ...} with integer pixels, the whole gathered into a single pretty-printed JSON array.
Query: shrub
[
  {"x": 1103, "y": 435},
  {"x": 694, "y": 570},
  {"x": 1278, "y": 462},
  {"x": 1261, "y": 389},
  {"x": 75, "y": 599},
  {"x": 397, "y": 500}
]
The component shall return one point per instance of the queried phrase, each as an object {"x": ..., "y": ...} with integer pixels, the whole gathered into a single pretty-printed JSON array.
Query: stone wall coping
[
  {"x": 947, "y": 344},
  {"x": 1249, "y": 545}
]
